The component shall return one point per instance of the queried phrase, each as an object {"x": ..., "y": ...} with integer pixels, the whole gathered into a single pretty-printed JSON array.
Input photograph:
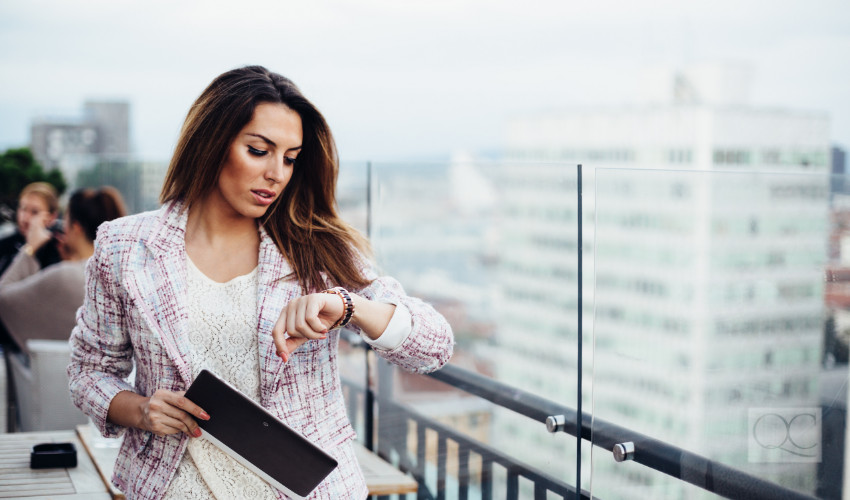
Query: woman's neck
[
  {"x": 79, "y": 251},
  {"x": 222, "y": 244},
  {"x": 210, "y": 225}
]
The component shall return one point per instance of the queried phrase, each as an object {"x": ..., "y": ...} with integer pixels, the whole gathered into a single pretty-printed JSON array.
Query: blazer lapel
[
  {"x": 274, "y": 291},
  {"x": 162, "y": 288}
]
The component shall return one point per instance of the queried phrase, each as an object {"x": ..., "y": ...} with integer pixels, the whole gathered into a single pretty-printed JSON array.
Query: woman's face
[
  {"x": 260, "y": 161},
  {"x": 32, "y": 206}
]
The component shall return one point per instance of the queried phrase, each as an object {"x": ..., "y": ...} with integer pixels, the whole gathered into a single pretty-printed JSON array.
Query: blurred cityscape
[{"x": 715, "y": 243}]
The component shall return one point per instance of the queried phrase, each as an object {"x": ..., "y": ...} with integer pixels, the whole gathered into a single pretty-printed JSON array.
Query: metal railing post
[
  {"x": 368, "y": 404},
  {"x": 368, "y": 393}
]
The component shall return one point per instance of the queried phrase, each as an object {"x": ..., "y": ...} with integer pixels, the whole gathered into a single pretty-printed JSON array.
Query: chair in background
[{"x": 41, "y": 387}]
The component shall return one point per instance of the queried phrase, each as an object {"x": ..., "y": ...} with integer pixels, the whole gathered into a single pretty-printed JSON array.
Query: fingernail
[
  {"x": 197, "y": 433},
  {"x": 205, "y": 415}
]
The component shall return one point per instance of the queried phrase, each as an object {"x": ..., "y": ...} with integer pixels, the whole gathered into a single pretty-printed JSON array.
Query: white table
[
  {"x": 381, "y": 477},
  {"x": 17, "y": 480}
]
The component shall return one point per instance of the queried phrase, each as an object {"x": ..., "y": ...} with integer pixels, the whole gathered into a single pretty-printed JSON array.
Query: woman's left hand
[{"x": 305, "y": 318}]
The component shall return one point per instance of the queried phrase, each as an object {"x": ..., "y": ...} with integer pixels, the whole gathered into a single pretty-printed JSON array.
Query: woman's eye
[
  {"x": 256, "y": 152},
  {"x": 288, "y": 161}
]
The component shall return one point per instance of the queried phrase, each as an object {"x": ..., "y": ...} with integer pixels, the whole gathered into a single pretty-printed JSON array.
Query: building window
[
  {"x": 679, "y": 156},
  {"x": 731, "y": 157}
]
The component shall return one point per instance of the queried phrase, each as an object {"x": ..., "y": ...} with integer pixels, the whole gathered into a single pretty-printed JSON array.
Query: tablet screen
[{"x": 258, "y": 439}]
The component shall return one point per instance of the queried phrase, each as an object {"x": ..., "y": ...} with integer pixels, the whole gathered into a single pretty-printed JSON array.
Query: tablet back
[{"x": 257, "y": 439}]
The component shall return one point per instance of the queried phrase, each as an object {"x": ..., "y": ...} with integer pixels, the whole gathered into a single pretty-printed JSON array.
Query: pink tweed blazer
[{"x": 134, "y": 313}]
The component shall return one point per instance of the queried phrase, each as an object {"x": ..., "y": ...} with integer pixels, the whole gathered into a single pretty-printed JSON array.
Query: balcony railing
[
  {"x": 706, "y": 304},
  {"x": 705, "y": 292},
  {"x": 388, "y": 416}
]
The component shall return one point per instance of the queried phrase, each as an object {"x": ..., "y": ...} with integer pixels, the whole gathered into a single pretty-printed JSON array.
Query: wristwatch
[{"x": 348, "y": 306}]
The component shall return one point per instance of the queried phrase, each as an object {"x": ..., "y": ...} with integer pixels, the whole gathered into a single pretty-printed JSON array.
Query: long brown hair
[{"x": 303, "y": 221}]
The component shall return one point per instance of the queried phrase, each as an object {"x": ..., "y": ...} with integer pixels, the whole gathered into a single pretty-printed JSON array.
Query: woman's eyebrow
[
  {"x": 270, "y": 142},
  {"x": 264, "y": 138}
]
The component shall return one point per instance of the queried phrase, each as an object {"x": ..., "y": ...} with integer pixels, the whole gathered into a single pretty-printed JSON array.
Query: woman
[
  {"x": 38, "y": 207},
  {"x": 246, "y": 270},
  {"x": 39, "y": 203},
  {"x": 38, "y": 303}
]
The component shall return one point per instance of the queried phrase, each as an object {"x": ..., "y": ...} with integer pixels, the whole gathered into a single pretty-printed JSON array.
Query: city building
[
  {"x": 705, "y": 241},
  {"x": 102, "y": 129},
  {"x": 704, "y": 260},
  {"x": 94, "y": 149}
]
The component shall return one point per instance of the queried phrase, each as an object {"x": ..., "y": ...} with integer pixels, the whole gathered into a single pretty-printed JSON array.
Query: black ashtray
[{"x": 51, "y": 455}]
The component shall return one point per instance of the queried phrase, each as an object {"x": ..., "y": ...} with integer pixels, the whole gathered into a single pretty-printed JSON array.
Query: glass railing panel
[
  {"x": 352, "y": 196},
  {"x": 714, "y": 329},
  {"x": 493, "y": 247}
]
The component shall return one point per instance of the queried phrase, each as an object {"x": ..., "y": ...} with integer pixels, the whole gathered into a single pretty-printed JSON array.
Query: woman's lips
[{"x": 263, "y": 196}]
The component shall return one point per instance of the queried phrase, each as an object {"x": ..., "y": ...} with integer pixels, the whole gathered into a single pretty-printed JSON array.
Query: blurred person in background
[
  {"x": 37, "y": 212},
  {"x": 38, "y": 209},
  {"x": 38, "y": 302},
  {"x": 245, "y": 271}
]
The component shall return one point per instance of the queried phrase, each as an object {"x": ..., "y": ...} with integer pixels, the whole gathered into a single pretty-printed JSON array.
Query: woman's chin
[{"x": 255, "y": 212}]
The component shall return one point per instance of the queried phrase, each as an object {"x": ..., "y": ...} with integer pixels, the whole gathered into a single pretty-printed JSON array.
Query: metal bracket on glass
[
  {"x": 555, "y": 423},
  {"x": 624, "y": 451}
]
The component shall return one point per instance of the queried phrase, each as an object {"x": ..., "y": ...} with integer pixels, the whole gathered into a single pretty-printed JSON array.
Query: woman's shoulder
[{"x": 131, "y": 229}]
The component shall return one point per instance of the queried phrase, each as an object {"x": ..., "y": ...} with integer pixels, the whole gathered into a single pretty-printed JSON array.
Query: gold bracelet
[{"x": 28, "y": 249}]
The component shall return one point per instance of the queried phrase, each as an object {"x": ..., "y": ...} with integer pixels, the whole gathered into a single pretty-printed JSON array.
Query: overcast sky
[{"x": 402, "y": 79}]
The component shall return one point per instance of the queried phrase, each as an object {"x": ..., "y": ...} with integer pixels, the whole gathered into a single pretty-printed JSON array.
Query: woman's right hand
[{"x": 168, "y": 412}]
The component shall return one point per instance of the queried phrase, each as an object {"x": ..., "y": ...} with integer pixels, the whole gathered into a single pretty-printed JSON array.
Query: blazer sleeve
[
  {"x": 101, "y": 351},
  {"x": 430, "y": 343}
]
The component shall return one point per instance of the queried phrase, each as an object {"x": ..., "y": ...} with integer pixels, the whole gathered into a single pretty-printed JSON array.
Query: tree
[{"x": 19, "y": 168}]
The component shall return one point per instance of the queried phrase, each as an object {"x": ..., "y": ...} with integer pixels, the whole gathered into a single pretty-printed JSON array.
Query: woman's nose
[{"x": 276, "y": 170}]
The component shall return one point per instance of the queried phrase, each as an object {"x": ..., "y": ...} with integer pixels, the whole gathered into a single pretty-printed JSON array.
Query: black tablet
[{"x": 257, "y": 439}]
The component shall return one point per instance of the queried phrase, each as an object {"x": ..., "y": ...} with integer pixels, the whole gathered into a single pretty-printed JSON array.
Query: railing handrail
[{"x": 663, "y": 457}]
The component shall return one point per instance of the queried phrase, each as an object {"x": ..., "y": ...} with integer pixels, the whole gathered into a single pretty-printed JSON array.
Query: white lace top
[{"x": 223, "y": 336}]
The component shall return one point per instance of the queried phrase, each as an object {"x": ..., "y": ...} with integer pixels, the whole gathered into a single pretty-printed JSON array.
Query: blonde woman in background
[
  {"x": 37, "y": 202},
  {"x": 38, "y": 208}
]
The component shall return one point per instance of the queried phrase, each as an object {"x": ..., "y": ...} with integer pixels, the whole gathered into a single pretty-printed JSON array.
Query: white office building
[
  {"x": 102, "y": 130},
  {"x": 703, "y": 274}
]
